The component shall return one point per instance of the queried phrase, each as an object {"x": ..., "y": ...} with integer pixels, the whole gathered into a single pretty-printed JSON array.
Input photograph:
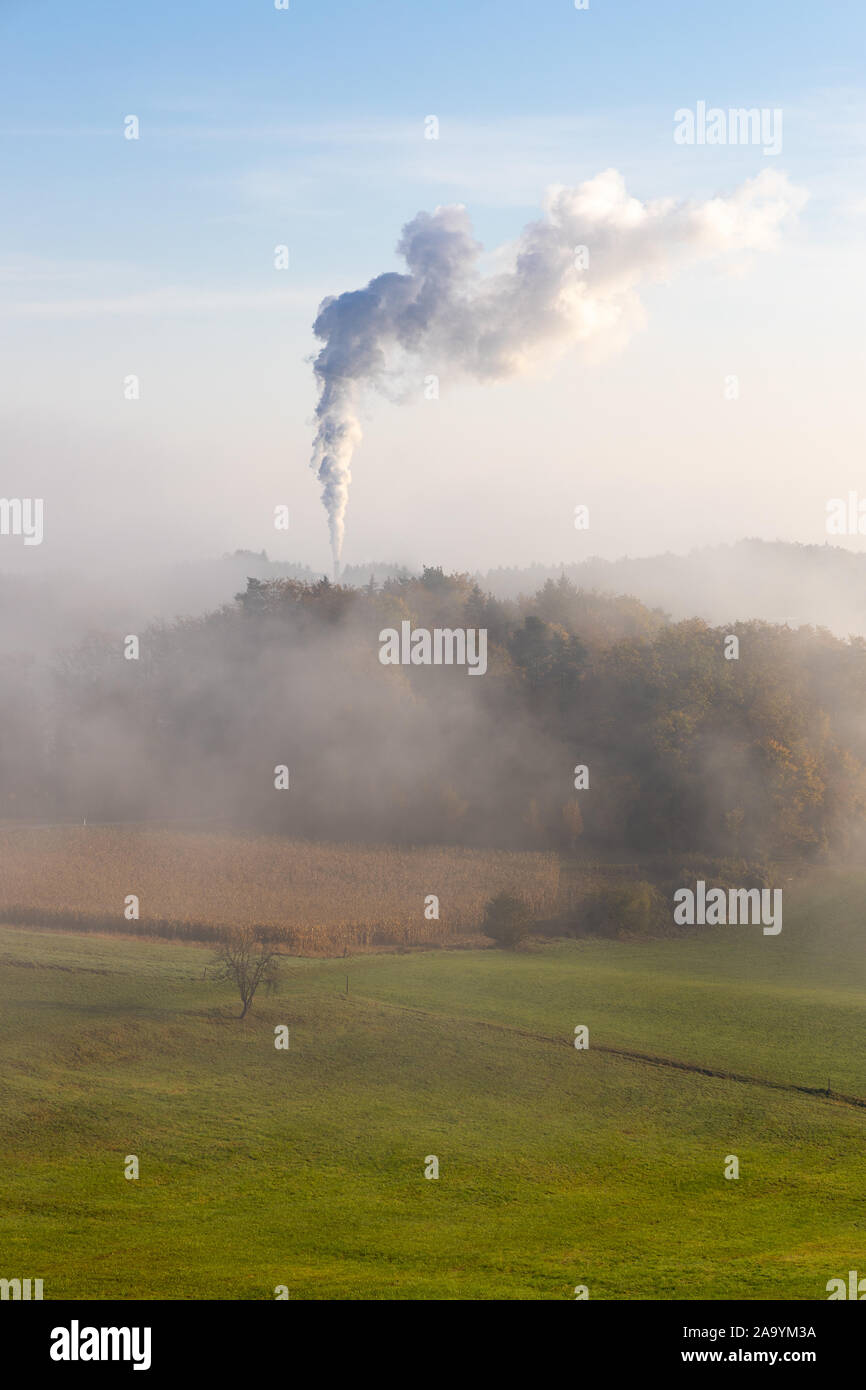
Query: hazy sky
[{"x": 261, "y": 127}]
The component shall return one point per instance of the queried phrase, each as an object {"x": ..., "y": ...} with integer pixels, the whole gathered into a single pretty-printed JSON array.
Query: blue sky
[
  {"x": 305, "y": 127},
  {"x": 228, "y": 90}
]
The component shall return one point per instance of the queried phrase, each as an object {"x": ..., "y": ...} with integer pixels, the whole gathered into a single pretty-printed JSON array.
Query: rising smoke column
[{"x": 446, "y": 315}]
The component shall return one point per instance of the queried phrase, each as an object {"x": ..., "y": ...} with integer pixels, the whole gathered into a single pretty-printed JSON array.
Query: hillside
[{"x": 557, "y": 1167}]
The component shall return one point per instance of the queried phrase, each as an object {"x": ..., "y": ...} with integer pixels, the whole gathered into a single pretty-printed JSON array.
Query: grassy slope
[{"x": 557, "y": 1167}]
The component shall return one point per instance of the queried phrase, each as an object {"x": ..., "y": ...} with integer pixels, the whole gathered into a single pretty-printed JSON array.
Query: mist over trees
[
  {"x": 684, "y": 749},
  {"x": 780, "y": 582}
]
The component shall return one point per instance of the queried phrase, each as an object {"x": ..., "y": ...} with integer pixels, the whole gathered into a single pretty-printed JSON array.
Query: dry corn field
[{"x": 319, "y": 897}]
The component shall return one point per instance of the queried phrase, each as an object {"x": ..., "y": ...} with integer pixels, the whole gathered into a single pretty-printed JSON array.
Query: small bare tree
[{"x": 248, "y": 962}]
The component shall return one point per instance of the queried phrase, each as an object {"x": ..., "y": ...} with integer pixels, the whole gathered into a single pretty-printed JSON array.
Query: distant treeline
[
  {"x": 777, "y": 581},
  {"x": 761, "y": 756}
]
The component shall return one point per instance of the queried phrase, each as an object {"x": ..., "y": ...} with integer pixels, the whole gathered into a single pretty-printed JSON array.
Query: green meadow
[{"x": 305, "y": 1168}]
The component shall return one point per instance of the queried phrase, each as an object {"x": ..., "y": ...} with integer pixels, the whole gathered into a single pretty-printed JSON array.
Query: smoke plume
[{"x": 571, "y": 278}]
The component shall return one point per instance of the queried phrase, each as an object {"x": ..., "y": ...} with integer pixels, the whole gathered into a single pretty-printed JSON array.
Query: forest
[{"x": 599, "y": 725}]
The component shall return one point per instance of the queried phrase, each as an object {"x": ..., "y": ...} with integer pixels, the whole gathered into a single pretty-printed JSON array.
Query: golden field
[{"x": 321, "y": 897}]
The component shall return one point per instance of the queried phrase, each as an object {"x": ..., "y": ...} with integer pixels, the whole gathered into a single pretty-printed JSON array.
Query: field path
[{"x": 650, "y": 1058}]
